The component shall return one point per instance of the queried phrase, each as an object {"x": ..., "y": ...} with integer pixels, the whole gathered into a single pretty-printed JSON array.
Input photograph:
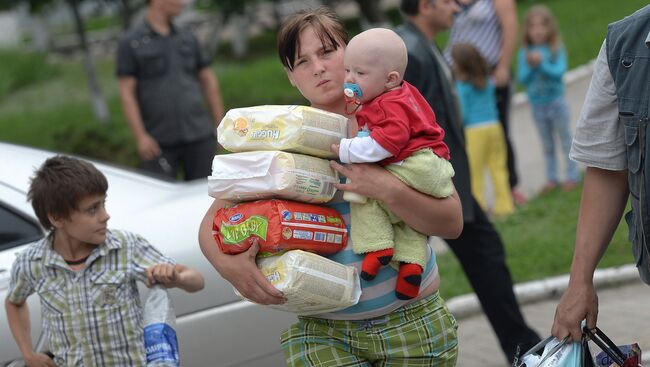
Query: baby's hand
[
  {"x": 165, "y": 274},
  {"x": 335, "y": 148}
]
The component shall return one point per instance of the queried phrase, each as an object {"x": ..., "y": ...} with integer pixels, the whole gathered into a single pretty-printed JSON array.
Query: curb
[{"x": 468, "y": 305}]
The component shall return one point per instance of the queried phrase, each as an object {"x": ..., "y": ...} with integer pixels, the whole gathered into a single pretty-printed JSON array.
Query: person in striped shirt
[{"x": 85, "y": 274}]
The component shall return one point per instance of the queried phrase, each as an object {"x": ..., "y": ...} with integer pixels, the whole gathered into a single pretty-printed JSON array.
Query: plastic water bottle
[
  {"x": 160, "y": 342},
  {"x": 353, "y": 197}
]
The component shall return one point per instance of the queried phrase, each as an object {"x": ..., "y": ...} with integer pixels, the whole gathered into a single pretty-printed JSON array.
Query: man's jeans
[{"x": 552, "y": 120}]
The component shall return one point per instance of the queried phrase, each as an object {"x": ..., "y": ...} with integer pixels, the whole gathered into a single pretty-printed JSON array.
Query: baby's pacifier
[{"x": 352, "y": 93}]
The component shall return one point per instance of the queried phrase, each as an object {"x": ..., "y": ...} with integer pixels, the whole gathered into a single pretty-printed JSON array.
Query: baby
[{"x": 399, "y": 131}]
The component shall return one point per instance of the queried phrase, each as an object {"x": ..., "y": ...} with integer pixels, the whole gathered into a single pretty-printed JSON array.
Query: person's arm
[
  {"x": 148, "y": 148},
  {"x": 525, "y": 72},
  {"x": 360, "y": 150},
  {"x": 240, "y": 270},
  {"x": 20, "y": 326},
  {"x": 604, "y": 196},
  {"x": 441, "y": 217},
  {"x": 212, "y": 93},
  {"x": 175, "y": 276},
  {"x": 506, "y": 11},
  {"x": 554, "y": 66}
]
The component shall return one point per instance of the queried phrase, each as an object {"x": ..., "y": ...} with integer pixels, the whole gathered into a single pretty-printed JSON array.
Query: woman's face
[{"x": 318, "y": 72}]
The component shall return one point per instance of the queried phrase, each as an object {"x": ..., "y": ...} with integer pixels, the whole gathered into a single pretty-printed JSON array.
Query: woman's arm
[
  {"x": 240, "y": 270},
  {"x": 426, "y": 214}
]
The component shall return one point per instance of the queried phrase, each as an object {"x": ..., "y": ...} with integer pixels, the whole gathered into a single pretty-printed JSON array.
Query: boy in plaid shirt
[{"x": 85, "y": 274}]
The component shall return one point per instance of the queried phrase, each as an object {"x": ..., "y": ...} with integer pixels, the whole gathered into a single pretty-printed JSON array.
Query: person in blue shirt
[
  {"x": 484, "y": 135},
  {"x": 542, "y": 63}
]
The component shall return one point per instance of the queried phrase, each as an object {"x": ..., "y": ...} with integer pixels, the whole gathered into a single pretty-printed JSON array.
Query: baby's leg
[
  {"x": 372, "y": 234},
  {"x": 411, "y": 253}
]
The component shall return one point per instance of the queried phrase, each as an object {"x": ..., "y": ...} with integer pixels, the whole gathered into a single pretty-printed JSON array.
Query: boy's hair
[
  {"x": 324, "y": 21},
  {"x": 470, "y": 65},
  {"x": 60, "y": 184},
  {"x": 543, "y": 12}
]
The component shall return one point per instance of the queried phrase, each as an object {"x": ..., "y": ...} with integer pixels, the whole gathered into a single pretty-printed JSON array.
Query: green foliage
[
  {"x": 537, "y": 244},
  {"x": 255, "y": 82},
  {"x": 22, "y": 69}
]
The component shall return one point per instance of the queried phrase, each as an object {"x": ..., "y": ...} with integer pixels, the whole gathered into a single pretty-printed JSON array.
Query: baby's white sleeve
[{"x": 362, "y": 150}]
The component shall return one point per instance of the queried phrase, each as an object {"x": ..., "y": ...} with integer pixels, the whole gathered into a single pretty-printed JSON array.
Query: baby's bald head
[{"x": 381, "y": 46}]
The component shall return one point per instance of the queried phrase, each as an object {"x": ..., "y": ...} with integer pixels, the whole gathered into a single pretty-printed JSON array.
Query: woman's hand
[
  {"x": 366, "y": 179},
  {"x": 441, "y": 217},
  {"x": 242, "y": 272}
]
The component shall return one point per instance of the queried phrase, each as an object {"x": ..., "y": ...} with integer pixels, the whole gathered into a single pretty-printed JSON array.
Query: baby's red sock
[
  {"x": 373, "y": 261},
  {"x": 408, "y": 281}
]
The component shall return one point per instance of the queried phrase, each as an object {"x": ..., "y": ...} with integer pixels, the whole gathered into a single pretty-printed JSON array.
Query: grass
[{"x": 537, "y": 244}]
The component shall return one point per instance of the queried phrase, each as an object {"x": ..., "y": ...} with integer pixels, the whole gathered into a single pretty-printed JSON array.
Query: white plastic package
[
  {"x": 160, "y": 342},
  {"x": 268, "y": 174},
  {"x": 298, "y": 129},
  {"x": 312, "y": 284}
]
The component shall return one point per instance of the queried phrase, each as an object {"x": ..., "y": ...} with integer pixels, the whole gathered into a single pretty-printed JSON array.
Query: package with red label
[{"x": 279, "y": 225}]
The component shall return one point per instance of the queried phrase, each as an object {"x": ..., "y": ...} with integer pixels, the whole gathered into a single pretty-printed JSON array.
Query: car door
[{"x": 17, "y": 231}]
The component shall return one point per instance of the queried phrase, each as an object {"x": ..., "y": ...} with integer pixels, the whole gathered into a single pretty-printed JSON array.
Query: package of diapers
[
  {"x": 279, "y": 225},
  {"x": 312, "y": 284},
  {"x": 265, "y": 174},
  {"x": 298, "y": 129}
]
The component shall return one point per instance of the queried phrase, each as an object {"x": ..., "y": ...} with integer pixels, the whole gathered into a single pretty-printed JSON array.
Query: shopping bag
[
  {"x": 556, "y": 353},
  {"x": 160, "y": 342},
  {"x": 611, "y": 355}
]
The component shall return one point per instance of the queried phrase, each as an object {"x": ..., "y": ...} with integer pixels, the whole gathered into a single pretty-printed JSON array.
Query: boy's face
[
  {"x": 366, "y": 70},
  {"x": 87, "y": 224}
]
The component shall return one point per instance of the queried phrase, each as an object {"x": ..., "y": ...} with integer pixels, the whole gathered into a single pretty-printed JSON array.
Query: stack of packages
[{"x": 278, "y": 173}]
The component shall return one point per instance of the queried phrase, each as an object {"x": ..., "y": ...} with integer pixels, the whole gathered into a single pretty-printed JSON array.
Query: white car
[{"x": 214, "y": 326}]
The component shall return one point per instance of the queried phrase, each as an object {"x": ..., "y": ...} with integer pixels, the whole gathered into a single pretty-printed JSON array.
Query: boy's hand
[
  {"x": 38, "y": 359},
  {"x": 335, "y": 148},
  {"x": 165, "y": 274}
]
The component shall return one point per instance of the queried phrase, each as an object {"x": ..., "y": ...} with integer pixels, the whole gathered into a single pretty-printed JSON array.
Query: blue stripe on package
[{"x": 160, "y": 342}]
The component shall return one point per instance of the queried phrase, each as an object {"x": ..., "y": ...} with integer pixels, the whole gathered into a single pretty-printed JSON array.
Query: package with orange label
[
  {"x": 279, "y": 225},
  {"x": 297, "y": 129}
]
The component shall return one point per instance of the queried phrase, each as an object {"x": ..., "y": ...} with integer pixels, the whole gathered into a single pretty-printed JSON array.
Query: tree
[
  {"x": 371, "y": 14},
  {"x": 100, "y": 109},
  {"x": 232, "y": 12}
]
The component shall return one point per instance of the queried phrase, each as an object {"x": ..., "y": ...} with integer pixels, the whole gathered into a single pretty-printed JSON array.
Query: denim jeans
[{"x": 552, "y": 120}]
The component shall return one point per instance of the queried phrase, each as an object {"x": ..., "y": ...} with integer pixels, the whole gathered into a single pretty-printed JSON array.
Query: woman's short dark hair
[
  {"x": 326, "y": 24},
  {"x": 60, "y": 184}
]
